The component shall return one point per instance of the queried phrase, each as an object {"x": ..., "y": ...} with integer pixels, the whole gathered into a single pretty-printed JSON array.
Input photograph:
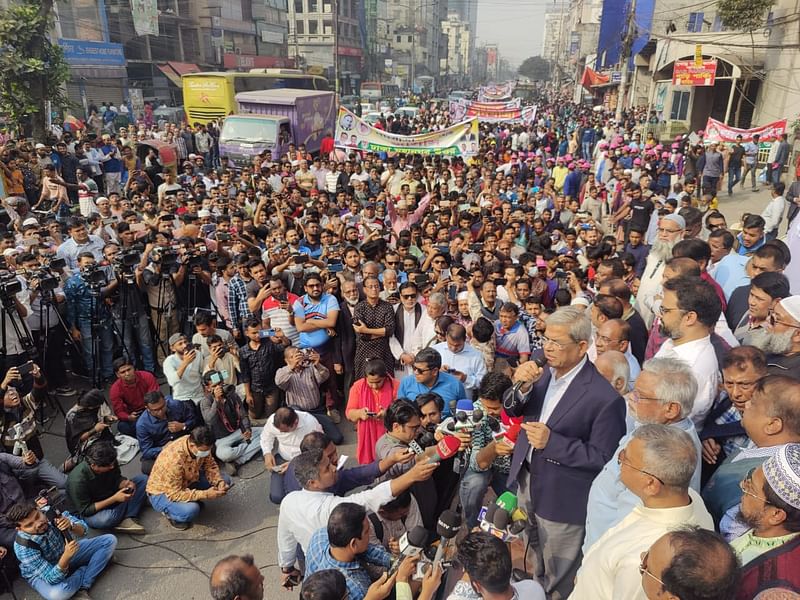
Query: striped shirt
[
  {"x": 237, "y": 302},
  {"x": 302, "y": 387}
]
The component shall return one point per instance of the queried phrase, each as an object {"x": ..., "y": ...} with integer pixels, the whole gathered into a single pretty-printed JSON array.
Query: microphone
[
  {"x": 507, "y": 501},
  {"x": 510, "y": 402},
  {"x": 446, "y": 527},
  {"x": 490, "y": 512},
  {"x": 446, "y": 448},
  {"x": 466, "y": 407},
  {"x": 411, "y": 543},
  {"x": 501, "y": 518},
  {"x": 414, "y": 446}
]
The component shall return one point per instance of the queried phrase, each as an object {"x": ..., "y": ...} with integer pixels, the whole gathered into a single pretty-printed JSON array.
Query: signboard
[
  {"x": 250, "y": 61},
  {"x": 716, "y": 131},
  {"x": 491, "y": 93},
  {"x": 145, "y": 16},
  {"x": 353, "y": 133},
  {"x": 616, "y": 76},
  {"x": 698, "y": 55},
  {"x": 686, "y": 72},
  {"x": 492, "y": 112},
  {"x": 137, "y": 101},
  {"x": 79, "y": 52}
]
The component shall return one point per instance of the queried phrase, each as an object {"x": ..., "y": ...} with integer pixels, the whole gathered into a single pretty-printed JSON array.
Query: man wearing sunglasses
[{"x": 656, "y": 465}]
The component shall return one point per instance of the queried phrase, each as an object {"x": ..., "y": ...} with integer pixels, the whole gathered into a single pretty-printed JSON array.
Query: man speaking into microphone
[{"x": 573, "y": 421}]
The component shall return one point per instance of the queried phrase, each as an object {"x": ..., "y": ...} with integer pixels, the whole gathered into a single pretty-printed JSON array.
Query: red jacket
[
  {"x": 127, "y": 399},
  {"x": 777, "y": 569}
]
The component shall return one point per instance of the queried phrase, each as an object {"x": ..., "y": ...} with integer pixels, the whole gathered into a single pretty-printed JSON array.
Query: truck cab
[{"x": 244, "y": 136}]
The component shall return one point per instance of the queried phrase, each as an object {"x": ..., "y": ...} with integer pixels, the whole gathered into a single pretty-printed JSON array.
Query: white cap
[
  {"x": 30, "y": 221},
  {"x": 792, "y": 306},
  {"x": 203, "y": 212},
  {"x": 39, "y": 145}
]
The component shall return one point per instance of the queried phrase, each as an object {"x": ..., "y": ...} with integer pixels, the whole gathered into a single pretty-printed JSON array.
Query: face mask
[
  {"x": 533, "y": 271},
  {"x": 203, "y": 453}
]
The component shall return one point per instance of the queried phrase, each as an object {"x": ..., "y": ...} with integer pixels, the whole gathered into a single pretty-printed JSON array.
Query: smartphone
[
  {"x": 372, "y": 414},
  {"x": 109, "y": 221},
  {"x": 423, "y": 280},
  {"x": 463, "y": 273},
  {"x": 500, "y": 281},
  {"x": 452, "y": 292},
  {"x": 25, "y": 368},
  {"x": 300, "y": 259},
  {"x": 266, "y": 333},
  {"x": 137, "y": 227}
]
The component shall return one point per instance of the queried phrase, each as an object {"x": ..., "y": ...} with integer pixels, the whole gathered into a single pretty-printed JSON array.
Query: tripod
[
  {"x": 163, "y": 307},
  {"x": 11, "y": 311},
  {"x": 95, "y": 292},
  {"x": 126, "y": 318},
  {"x": 46, "y": 304}
]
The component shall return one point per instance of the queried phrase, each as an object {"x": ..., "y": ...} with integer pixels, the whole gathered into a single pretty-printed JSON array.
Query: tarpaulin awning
[
  {"x": 592, "y": 78},
  {"x": 173, "y": 70}
]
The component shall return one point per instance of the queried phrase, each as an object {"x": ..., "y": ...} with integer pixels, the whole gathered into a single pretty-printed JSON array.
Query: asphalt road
[{"x": 166, "y": 564}]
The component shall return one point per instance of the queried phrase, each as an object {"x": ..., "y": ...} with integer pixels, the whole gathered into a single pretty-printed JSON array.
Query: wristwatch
[{"x": 287, "y": 570}]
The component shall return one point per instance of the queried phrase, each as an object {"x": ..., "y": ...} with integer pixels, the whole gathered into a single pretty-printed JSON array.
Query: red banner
[
  {"x": 717, "y": 131},
  {"x": 686, "y": 72}
]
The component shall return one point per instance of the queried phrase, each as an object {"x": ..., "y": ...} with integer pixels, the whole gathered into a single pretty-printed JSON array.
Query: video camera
[
  {"x": 48, "y": 501},
  {"x": 9, "y": 285},
  {"x": 165, "y": 256},
  {"x": 94, "y": 275},
  {"x": 128, "y": 257}
]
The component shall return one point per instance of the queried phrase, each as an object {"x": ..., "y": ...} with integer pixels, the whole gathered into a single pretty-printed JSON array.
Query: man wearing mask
[{"x": 184, "y": 369}]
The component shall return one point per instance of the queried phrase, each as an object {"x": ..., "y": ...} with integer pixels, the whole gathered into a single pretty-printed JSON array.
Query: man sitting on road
[
  {"x": 127, "y": 394},
  {"x": 164, "y": 420}
]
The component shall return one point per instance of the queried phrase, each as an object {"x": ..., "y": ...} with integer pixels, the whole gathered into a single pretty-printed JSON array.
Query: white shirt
[
  {"x": 469, "y": 361},
  {"x": 424, "y": 334},
  {"x": 398, "y": 347},
  {"x": 556, "y": 388},
  {"x": 304, "y": 511},
  {"x": 288, "y": 441},
  {"x": 189, "y": 386},
  {"x": 648, "y": 288},
  {"x": 610, "y": 569},
  {"x": 773, "y": 213},
  {"x": 701, "y": 358}
]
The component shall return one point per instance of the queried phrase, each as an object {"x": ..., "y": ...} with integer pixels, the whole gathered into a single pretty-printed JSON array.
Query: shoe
[
  {"x": 66, "y": 391},
  {"x": 230, "y": 469},
  {"x": 129, "y": 526},
  {"x": 180, "y": 526},
  {"x": 82, "y": 595},
  {"x": 334, "y": 415}
]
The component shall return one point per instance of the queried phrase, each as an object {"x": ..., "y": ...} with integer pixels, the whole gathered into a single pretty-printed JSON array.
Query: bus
[
  {"x": 424, "y": 84},
  {"x": 212, "y": 95},
  {"x": 375, "y": 90}
]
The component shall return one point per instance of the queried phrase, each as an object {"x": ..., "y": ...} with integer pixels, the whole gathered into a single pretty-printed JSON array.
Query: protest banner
[
  {"x": 492, "y": 112},
  {"x": 716, "y": 131}
]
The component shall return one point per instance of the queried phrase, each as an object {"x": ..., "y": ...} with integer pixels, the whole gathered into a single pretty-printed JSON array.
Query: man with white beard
[
  {"x": 780, "y": 339},
  {"x": 670, "y": 231}
]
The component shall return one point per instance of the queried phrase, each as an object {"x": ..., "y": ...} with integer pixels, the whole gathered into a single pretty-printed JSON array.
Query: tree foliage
[
  {"x": 536, "y": 68},
  {"x": 744, "y": 15},
  {"x": 33, "y": 68}
]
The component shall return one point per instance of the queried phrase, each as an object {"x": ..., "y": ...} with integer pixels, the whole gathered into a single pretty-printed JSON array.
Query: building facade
[{"x": 456, "y": 67}]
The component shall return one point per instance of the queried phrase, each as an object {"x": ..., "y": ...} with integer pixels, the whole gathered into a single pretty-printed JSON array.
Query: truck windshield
[{"x": 249, "y": 130}]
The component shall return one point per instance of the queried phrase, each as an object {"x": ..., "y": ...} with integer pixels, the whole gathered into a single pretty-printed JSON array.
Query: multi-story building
[
  {"x": 378, "y": 39},
  {"x": 456, "y": 67},
  {"x": 418, "y": 43},
  {"x": 555, "y": 38},
  {"x": 317, "y": 34},
  {"x": 467, "y": 10}
]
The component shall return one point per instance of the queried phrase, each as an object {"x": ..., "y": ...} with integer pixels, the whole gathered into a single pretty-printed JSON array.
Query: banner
[
  {"x": 717, "y": 131},
  {"x": 145, "y": 16},
  {"x": 493, "y": 93},
  {"x": 353, "y": 133},
  {"x": 688, "y": 72},
  {"x": 492, "y": 112}
]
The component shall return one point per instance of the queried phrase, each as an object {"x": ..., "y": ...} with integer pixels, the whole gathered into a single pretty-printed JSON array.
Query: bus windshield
[{"x": 249, "y": 130}]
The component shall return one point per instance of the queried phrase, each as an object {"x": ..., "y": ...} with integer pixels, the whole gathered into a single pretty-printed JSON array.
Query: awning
[
  {"x": 173, "y": 70},
  {"x": 592, "y": 79}
]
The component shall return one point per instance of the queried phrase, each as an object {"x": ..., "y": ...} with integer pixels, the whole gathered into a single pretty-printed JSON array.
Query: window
[
  {"x": 80, "y": 20},
  {"x": 399, "y": 38},
  {"x": 313, "y": 6},
  {"x": 298, "y": 6},
  {"x": 680, "y": 106},
  {"x": 299, "y": 27},
  {"x": 695, "y": 22},
  {"x": 312, "y": 27},
  {"x": 717, "y": 26},
  {"x": 410, "y": 39},
  {"x": 326, "y": 7},
  {"x": 327, "y": 27}
]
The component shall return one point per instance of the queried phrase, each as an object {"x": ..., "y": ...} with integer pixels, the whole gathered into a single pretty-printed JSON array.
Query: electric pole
[
  {"x": 335, "y": 7},
  {"x": 625, "y": 54}
]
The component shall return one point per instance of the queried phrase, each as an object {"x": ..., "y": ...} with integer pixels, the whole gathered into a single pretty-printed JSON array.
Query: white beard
[{"x": 662, "y": 250}]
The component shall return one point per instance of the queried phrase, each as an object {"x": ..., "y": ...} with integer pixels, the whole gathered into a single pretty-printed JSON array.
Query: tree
[
  {"x": 34, "y": 69},
  {"x": 536, "y": 68}
]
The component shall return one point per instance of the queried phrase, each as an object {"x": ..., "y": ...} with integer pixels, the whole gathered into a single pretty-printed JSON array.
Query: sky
[{"x": 515, "y": 25}]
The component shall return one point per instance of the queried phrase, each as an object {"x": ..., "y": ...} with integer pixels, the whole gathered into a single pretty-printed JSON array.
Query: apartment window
[
  {"x": 399, "y": 38},
  {"x": 326, "y": 7},
  {"x": 298, "y": 6},
  {"x": 680, "y": 106},
  {"x": 313, "y": 6},
  {"x": 327, "y": 27},
  {"x": 299, "y": 27},
  {"x": 695, "y": 22},
  {"x": 312, "y": 27},
  {"x": 410, "y": 39},
  {"x": 717, "y": 26}
]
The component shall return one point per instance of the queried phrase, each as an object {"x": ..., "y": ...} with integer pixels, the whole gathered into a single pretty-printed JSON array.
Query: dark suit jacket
[
  {"x": 737, "y": 306},
  {"x": 344, "y": 347},
  {"x": 399, "y": 323},
  {"x": 639, "y": 335},
  {"x": 585, "y": 429}
]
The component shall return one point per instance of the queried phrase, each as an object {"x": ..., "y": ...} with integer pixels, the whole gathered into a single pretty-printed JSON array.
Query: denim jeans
[
  {"x": 43, "y": 474},
  {"x": 137, "y": 339},
  {"x": 473, "y": 488},
  {"x": 182, "y": 512},
  {"x": 92, "y": 557},
  {"x": 127, "y": 428},
  {"x": 328, "y": 427},
  {"x": 276, "y": 488},
  {"x": 111, "y": 517},
  {"x": 105, "y": 347},
  {"x": 776, "y": 174},
  {"x": 234, "y": 448},
  {"x": 586, "y": 150},
  {"x": 734, "y": 176}
]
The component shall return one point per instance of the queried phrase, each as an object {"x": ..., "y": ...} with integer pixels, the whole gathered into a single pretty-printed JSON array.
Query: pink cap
[
  {"x": 700, "y": 132},
  {"x": 547, "y": 149},
  {"x": 678, "y": 138},
  {"x": 560, "y": 159},
  {"x": 665, "y": 155},
  {"x": 659, "y": 147},
  {"x": 538, "y": 170},
  {"x": 626, "y": 148},
  {"x": 637, "y": 161},
  {"x": 603, "y": 145},
  {"x": 675, "y": 146},
  {"x": 571, "y": 165},
  {"x": 568, "y": 157}
]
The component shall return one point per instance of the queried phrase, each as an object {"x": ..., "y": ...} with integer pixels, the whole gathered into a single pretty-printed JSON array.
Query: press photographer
[
  {"x": 127, "y": 303},
  {"x": 15, "y": 297},
  {"x": 89, "y": 318}
]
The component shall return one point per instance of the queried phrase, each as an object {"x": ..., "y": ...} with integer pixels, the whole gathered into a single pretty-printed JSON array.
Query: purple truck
[{"x": 272, "y": 119}]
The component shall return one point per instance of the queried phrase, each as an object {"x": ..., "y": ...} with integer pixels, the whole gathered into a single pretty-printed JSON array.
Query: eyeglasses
[
  {"x": 773, "y": 320},
  {"x": 438, "y": 262},
  {"x": 392, "y": 263},
  {"x": 419, "y": 371},
  {"x": 643, "y": 568},
  {"x": 745, "y": 386},
  {"x": 636, "y": 397},
  {"x": 746, "y": 485},
  {"x": 664, "y": 310},
  {"x": 605, "y": 339},
  {"x": 408, "y": 296},
  {"x": 665, "y": 230},
  {"x": 621, "y": 461},
  {"x": 558, "y": 345}
]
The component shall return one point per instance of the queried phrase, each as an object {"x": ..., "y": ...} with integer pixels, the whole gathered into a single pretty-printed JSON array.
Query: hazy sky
[{"x": 515, "y": 25}]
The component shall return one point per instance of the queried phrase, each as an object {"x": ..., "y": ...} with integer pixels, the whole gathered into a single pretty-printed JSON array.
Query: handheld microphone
[
  {"x": 446, "y": 448},
  {"x": 415, "y": 447},
  {"x": 510, "y": 402},
  {"x": 501, "y": 518},
  {"x": 490, "y": 512},
  {"x": 507, "y": 501},
  {"x": 411, "y": 543},
  {"x": 447, "y": 528}
]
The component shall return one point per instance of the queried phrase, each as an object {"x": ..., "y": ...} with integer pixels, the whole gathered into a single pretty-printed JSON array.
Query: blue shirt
[
  {"x": 70, "y": 249},
  {"x": 81, "y": 302},
  {"x": 318, "y": 558},
  {"x": 42, "y": 563},
  {"x": 309, "y": 310},
  {"x": 731, "y": 274},
  {"x": 448, "y": 387},
  {"x": 153, "y": 433}
]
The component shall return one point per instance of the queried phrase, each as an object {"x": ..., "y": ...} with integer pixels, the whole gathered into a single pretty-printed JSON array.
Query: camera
[
  {"x": 128, "y": 257},
  {"x": 9, "y": 284},
  {"x": 55, "y": 264},
  {"x": 164, "y": 256},
  {"x": 93, "y": 275}
]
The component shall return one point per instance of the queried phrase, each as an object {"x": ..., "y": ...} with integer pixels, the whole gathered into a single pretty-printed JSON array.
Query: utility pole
[
  {"x": 413, "y": 45},
  {"x": 625, "y": 54},
  {"x": 335, "y": 7}
]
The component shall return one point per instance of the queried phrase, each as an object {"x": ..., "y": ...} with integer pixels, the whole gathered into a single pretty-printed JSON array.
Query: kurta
[{"x": 378, "y": 316}]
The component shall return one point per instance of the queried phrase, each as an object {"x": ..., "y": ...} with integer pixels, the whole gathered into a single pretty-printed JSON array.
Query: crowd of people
[{"x": 567, "y": 328}]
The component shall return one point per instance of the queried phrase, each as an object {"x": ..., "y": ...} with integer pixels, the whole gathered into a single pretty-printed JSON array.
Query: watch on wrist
[{"x": 287, "y": 570}]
